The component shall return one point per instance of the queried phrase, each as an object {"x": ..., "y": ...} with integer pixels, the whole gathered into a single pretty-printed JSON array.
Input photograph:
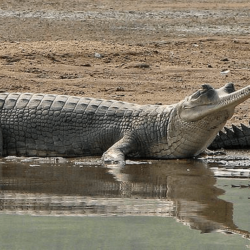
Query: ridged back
[{"x": 63, "y": 102}]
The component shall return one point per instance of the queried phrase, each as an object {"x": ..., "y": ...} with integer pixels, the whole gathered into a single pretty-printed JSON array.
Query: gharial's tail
[{"x": 237, "y": 137}]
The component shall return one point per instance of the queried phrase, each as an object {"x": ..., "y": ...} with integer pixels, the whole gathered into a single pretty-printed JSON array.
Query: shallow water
[{"x": 60, "y": 203}]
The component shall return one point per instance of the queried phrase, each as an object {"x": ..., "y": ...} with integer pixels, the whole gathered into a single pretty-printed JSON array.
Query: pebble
[
  {"x": 119, "y": 88},
  {"x": 97, "y": 55},
  {"x": 142, "y": 65},
  {"x": 225, "y": 71}
]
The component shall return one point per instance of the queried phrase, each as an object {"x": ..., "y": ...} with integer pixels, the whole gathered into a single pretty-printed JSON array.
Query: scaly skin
[
  {"x": 69, "y": 126},
  {"x": 56, "y": 125},
  {"x": 232, "y": 138}
]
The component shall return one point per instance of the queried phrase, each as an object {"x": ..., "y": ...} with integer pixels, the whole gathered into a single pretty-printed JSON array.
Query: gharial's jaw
[{"x": 208, "y": 101}]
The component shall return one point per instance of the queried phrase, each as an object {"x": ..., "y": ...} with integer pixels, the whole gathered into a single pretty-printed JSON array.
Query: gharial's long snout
[
  {"x": 209, "y": 101},
  {"x": 229, "y": 101},
  {"x": 235, "y": 98}
]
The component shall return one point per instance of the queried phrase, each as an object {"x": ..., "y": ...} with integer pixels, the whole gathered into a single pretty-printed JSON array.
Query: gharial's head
[
  {"x": 194, "y": 122},
  {"x": 198, "y": 118},
  {"x": 209, "y": 102}
]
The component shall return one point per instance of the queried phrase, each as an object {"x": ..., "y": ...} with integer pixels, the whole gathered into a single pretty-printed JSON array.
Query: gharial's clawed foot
[
  {"x": 113, "y": 158},
  {"x": 208, "y": 152}
]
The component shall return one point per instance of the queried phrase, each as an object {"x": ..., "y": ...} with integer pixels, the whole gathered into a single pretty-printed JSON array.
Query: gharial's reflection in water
[{"x": 181, "y": 189}]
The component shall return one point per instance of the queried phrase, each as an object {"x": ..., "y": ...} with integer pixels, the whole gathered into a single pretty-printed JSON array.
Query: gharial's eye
[
  {"x": 196, "y": 94},
  {"x": 206, "y": 87}
]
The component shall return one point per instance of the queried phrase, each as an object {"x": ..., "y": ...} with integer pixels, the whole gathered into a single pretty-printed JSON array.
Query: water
[{"x": 178, "y": 204}]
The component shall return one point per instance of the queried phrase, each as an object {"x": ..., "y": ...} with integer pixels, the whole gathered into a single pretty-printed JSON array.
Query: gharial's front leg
[{"x": 116, "y": 154}]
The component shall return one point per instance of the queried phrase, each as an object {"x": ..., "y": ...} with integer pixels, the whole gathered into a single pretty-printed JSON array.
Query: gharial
[{"x": 69, "y": 126}]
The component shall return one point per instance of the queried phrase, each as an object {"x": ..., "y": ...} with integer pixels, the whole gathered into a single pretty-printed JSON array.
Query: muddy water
[{"x": 58, "y": 203}]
